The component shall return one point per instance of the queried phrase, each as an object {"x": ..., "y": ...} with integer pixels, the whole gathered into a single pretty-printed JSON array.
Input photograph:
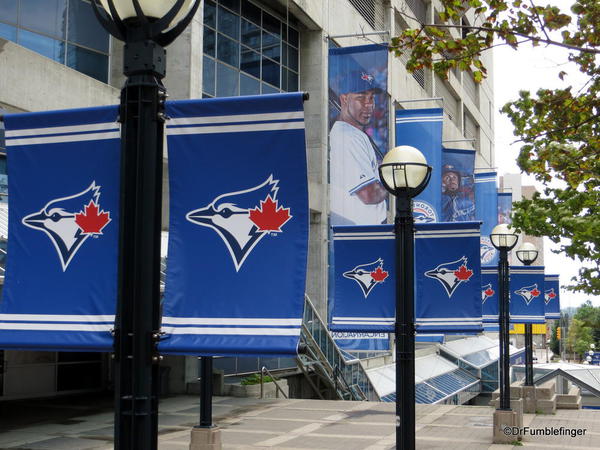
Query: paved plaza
[{"x": 86, "y": 423}]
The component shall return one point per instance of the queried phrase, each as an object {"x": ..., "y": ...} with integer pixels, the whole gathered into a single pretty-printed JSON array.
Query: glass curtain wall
[{"x": 65, "y": 31}]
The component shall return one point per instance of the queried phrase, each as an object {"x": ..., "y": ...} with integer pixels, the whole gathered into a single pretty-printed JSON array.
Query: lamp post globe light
[
  {"x": 146, "y": 27},
  {"x": 504, "y": 238},
  {"x": 404, "y": 173},
  {"x": 527, "y": 254}
]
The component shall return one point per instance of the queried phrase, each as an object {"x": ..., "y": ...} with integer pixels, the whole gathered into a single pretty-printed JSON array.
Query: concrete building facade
[{"x": 232, "y": 47}]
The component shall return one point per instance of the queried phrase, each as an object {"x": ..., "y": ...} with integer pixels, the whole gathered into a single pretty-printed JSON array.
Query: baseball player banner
[
  {"x": 238, "y": 237},
  {"x": 448, "y": 278},
  {"x": 422, "y": 129},
  {"x": 486, "y": 211},
  {"x": 504, "y": 207},
  {"x": 527, "y": 294},
  {"x": 458, "y": 186},
  {"x": 362, "y": 342},
  {"x": 489, "y": 297},
  {"x": 61, "y": 278},
  {"x": 358, "y": 136},
  {"x": 364, "y": 288},
  {"x": 552, "y": 296}
]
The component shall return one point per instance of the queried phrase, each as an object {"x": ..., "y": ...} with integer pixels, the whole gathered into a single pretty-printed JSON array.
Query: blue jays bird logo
[
  {"x": 367, "y": 77},
  {"x": 549, "y": 295},
  {"x": 529, "y": 293},
  {"x": 367, "y": 276},
  {"x": 70, "y": 221},
  {"x": 451, "y": 274},
  {"x": 488, "y": 252},
  {"x": 423, "y": 212},
  {"x": 243, "y": 218},
  {"x": 486, "y": 292}
]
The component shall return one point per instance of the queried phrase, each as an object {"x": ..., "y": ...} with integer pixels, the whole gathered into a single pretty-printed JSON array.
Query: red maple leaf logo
[
  {"x": 269, "y": 216},
  {"x": 92, "y": 221},
  {"x": 379, "y": 275},
  {"x": 535, "y": 293},
  {"x": 489, "y": 292},
  {"x": 463, "y": 274},
  {"x": 551, "y": 295}
]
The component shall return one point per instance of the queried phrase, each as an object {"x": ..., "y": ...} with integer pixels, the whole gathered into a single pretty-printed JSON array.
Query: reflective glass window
[
  {"x": 84, "y": 28},
  {"x": 8, "y": 11},
  {"x": 251, "y": 12},
  {"x": 228, "y": 23},
  {"x": 208, "y": 75},
  {"x": 208, "y": 41},
  {"x": 271, "y": 46},
  {"x": 250, "y": 35},
  {"x": 228, "y": 81},
  {"x": 228, "y": 50},
  {"x": 45, "y": 16},
  {"x": 271, "y": 23},
  {"x": 249, "y": 85},
  {"x": 234, "y": 5},
  {"x": 250, "y": 62},
  {"x": 210, "y": 13},
  {"x": 50, "y": 48},
  {"x": 8, "y": 32},
  {"x": 86, "y": 61},
  {"x": 270, "y": 72}
]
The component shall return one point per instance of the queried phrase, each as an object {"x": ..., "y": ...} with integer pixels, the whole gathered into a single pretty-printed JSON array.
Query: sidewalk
[{"x": 281, "y": 424}]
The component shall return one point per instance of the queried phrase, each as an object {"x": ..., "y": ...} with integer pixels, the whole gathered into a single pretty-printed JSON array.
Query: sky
[{"x": 531, "y": 68}]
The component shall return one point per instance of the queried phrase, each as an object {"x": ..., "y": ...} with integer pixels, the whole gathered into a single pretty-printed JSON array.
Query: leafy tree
[
  {"x": 559, "y": 128},
  {"x": 590, "y": 317},
  {"x": 579, "y": 338},
  {"x": 554, "y": 341}
]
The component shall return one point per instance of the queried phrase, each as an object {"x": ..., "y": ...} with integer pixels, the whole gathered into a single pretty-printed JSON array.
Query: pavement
[{"x": 85, "y": 422}]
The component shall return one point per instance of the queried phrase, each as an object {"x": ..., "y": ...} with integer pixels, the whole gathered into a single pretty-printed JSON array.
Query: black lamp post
[
  {"x": 404, "y": 173},
  {"x": 146, "y": 27},
  {"x": 527, "y": 254},
  {"x": 504, "y": 238}
]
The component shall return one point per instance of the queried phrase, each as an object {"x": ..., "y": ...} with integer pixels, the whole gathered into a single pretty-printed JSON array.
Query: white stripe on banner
[
  {"x": 453, "y": 232},
  {"x": 237, "y": 128},
  {"x": 56, "y": 318},
  {"x": 363, "y": 238},
  {"x": 489, "y": 271},
  {"x": 291, "y": 115},
  {"x": 233, "y": 331},
  {"x": 450, "y": 319},
  {"x": 419, "y": 119},
  {"x": 484, "y": 180},
  {"x": 553, "y": 316},
  {"x": 63, "y": 130},
  {"x": 515, "y": 317},
  {"x": 229, "y": 321},
  {"x": 383, "y": 234},
  {"x": 452, "y": 235},
  {"x": 64, "y": 138},
  {"x": 526, "y": 272},
  {"x": 371, "y": 319},
  {"x": 54, "y": 327}
]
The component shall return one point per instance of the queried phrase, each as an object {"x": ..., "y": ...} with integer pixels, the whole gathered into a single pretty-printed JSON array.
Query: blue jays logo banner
[
  {"x": 61, "y": 279},
  {"x": 362, "y": 342},
  {"x": 364, "y": 268},
  {"x": 504, "y": 207},
  {"x": 552, "y": 296},
  {"x": 489, "y": 297},
  {"x": 448, "y": 278},
  {"x": 238, "y": 237},
  {"x": 486, "y": 210},
  {"x": 458, "y": 187},
  {"x": 527, "y": 294},
  {"x": 358, "y": 136},
  {"x": 422, "y": 129}
]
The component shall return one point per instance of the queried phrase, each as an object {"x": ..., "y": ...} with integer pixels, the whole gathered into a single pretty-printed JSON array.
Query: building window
[
  {"x": 247, "y": 51},
  {"x": 65, "y": 31}
]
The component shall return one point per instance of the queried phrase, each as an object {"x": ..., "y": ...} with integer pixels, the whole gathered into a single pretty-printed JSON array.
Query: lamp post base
[
  {"x": 206, "y": 438},
  {"x": 506, "y": 426}
]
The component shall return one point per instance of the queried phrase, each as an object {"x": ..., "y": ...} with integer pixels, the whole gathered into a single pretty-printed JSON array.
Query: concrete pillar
[
  {"x": 529, "y": 399},
  {"x": 505, "y": 426}
]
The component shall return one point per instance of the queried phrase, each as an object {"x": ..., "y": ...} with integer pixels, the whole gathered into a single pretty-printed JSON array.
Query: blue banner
[
  {"x": 486, "y": 210},
  {"x": 458, "y": 185},
  {"x": 489, "y": 297},
  {"x": 552, "y": 296},
  {"x": 448, "y": 278},
  {"x": 422, "y": 129},
  {"x": 364, "y": 268},
  {"x": 238, "y": 237},
  {"x": 359, "y": 130},
  {"x": 527, "y": 294},
  {"x": 61, "y": 279},
  {"x": 362, "y": 342},
  {"x": 504, "y": 207}
]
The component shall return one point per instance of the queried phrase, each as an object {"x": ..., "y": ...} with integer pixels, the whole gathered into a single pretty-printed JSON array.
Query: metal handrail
[{"x": 264, "y": 370}]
